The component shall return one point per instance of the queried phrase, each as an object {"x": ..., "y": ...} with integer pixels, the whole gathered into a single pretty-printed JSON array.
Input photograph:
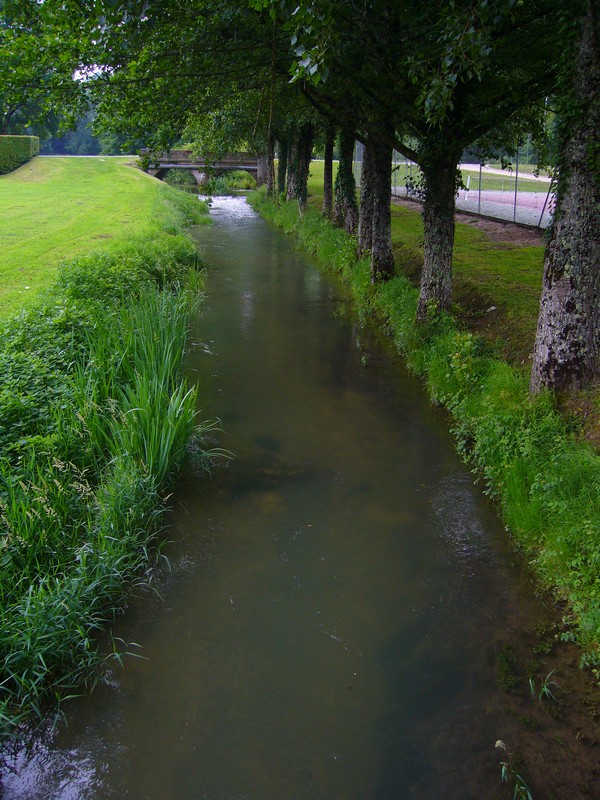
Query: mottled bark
[
  {"x": 345, "y": 209},
  {"x": 328, "y": 173},
  {"x": 567, "y": 347},
  {"x": 304, "y": 157},
  {"x": 282, "y": 165},
  {"x": 299, "y": 164},
  {"x": 270, "y": 165},
  {"x": 262, "y": 170},
  {"x": 292, "y": 172},
  {"x": 382, "y": 258},
  {"x": 438, "y": 232},
  {"x": 365, "y": 211}
]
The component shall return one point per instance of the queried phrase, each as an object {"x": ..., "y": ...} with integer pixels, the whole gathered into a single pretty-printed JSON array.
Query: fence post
[
  {"x": 479, "y": 190},
  {"x": 516, "y": 186},
  {"x": 546, "y": 202}
]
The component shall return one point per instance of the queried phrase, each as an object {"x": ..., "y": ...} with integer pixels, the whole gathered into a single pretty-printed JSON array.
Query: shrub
[
  {"x": 240, "y": 179},
  {"x": 228, "y": 181},
  {"x": 181, "y": 179},
  {"x": 17, "y": 150}
]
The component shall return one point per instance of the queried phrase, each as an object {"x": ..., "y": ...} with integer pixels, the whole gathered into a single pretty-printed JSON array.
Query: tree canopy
[{"x": 424, "y": 77}]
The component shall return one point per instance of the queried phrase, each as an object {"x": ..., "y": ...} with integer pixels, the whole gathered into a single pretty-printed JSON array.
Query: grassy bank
[
  {"x": 94, "y": 421},
  {"x": 56, "y": 207},
  {"x": 546, "y": 483}
]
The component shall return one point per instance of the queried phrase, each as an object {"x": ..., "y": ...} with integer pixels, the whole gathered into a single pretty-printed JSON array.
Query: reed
[{"x": 94, "y": 420}]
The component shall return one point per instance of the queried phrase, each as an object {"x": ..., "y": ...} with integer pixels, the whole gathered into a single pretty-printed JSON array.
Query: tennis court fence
[{"x": 515, "y": 195}]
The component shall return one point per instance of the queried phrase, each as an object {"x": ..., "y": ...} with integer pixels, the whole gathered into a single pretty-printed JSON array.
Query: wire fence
[{"x": 515, "y": 195}]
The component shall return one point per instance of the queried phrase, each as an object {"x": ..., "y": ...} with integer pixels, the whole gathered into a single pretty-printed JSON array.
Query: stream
[{"x": 337, "y": 593}]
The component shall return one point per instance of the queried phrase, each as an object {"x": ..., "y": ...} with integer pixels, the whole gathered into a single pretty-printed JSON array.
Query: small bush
[
  {"x": 228, "y": 182},
  {"x": 240, "y": 179},
  {"x": 217, "y": 185},
  {"x": 181, "y": 179}
]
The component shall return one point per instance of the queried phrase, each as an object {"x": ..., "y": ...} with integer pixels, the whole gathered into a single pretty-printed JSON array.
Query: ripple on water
[
  {"x": 231, "y": 206},
  {"x": 43, "y": 773}
]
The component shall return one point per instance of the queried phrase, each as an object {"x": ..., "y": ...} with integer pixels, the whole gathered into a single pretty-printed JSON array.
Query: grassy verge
[
  {"x": 94, "y": 421},
  {"x": 503, "y": 276},
  {"x": 54, "y": 208},
  {"x": 547, "y": 484},
  {"x": 496, "y": 286}
]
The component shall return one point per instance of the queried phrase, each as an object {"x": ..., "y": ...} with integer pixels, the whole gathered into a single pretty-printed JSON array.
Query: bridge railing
[{"x": 185, "y": 158}]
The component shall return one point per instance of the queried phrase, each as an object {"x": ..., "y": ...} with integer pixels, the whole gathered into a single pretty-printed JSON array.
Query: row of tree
[{"x": 428, "y": 79}]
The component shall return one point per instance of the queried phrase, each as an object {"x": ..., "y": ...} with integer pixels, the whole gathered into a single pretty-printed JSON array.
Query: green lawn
[
  {"x": 530, "y": 168},
  {"x": 80, "y": 203},
  {"x": 505, "y": 182}
]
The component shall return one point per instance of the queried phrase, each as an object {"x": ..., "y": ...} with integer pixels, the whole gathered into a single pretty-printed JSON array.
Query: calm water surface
[{"x": 337, "y": 592}]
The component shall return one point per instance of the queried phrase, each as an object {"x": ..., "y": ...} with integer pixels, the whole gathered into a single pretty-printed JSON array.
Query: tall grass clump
[
  {"x": 95, "y": 416},
  {"x": 545, "y": 481}
]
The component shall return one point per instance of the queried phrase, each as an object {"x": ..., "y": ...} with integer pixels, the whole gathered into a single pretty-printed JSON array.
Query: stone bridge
[{"x": 199, "y": 166}]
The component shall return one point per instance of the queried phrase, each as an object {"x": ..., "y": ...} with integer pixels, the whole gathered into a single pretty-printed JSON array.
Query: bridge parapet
[{"x": 183, "y": 159}]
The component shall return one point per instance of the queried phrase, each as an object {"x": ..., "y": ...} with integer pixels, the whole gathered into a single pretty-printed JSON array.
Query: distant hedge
[{"x": 17, "y": 150}]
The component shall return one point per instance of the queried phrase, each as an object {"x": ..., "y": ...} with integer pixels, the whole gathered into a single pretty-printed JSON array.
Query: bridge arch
[{"x": 159, "y": 164}]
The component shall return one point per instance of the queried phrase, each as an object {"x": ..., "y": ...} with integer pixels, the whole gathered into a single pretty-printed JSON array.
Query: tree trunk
[
  {"x": 567, "y": 347},
  {"x": 328, "y": 173},
  {"x": 382, "y": 258},
  {"x": 299, "y": 164},
  {"x": 7, "y": 118},
  {"x": 271, "y": 165},
  {"x": 365, "y": 212},
  {"x": 345, "y": 210},
  {"x": 282, "y": 165},
  {"x": 438, "y": 231},
  {"x": 292, "y": 171},
  {"x": 262, "y": 170}
]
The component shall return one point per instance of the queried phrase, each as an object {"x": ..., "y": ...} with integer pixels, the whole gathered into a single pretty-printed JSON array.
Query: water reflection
[{"x": 458, "y": 519}]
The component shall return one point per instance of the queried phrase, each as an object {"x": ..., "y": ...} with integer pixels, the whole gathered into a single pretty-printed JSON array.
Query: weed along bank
[
  {"x": 342, "y": 614},
  {"x": 95, "y": 417},
  {"x": 539, "y": 473}
]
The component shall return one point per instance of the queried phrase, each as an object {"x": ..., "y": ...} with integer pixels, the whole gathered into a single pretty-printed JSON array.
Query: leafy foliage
[{"x": 37, "y": 67}]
